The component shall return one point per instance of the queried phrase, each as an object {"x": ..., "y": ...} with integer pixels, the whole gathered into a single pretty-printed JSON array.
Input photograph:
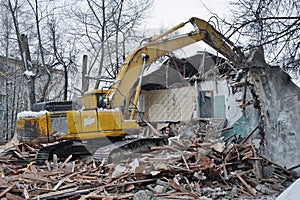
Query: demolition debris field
[{"x": 186, "y": 168}]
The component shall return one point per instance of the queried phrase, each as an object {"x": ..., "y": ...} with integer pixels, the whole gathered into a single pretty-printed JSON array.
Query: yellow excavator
[{"x": 100, "y": 126}]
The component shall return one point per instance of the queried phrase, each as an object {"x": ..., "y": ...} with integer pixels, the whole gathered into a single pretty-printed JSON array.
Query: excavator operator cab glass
[
  {"x": 95, "y": 99},
  {"x": 101, "y": 100}
]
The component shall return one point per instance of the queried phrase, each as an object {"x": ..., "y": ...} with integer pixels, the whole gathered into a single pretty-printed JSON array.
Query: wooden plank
[
  {"x": 174, "y": 185},
  {"x": 257, "y": 166},
  {"x": 25, "y": 193},
  {"x": 249, "y": 188},
  {"x": 154, "y": 129},
  {"x": 11, "y": 196},
  {"x": 163, "y": 148},
  {"x": 247, "y": 155},
  {"x": 58, "y": 184},
  {"x": 55, "y": 194},
  {"x": 250, "y": 134},
  {"x": 19, "y": 155},
  {"x": 44, "y": 189},
  {"x": 76, "y": 194},
  {"x": 52, "y": 172},
  {"x": 36, "y": 178},
  {"x": 67, "y": 160},
  {"x": 12, "y": 178},
  {"x": 86, "y": 177},
  {"x": 188, "y": 183},
  {"x": 116, "y": 185},
  {"x": 186, "y": 164},
  {"x": 240, "y": 188},
  {"x": 6, "y": 190},
  {"x": 30, "y": 148},
  {"x": 225, "y": 172},
  {"x": 108, "y": 197}
]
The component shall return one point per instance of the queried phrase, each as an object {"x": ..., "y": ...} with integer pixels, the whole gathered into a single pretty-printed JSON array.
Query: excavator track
[
  {"x": 62, "y": 149},
  {"x": 123, "y": 150},
  {"x": 43, "y": 155},
  {"x": 116, "y": 151}
]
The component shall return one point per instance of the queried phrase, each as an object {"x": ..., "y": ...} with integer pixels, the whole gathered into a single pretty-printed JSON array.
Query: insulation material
[{"x": 169, "y": 105}]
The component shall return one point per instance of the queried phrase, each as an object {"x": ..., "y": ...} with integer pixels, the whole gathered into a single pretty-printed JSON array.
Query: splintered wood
[{"x": 184, "y": 169}]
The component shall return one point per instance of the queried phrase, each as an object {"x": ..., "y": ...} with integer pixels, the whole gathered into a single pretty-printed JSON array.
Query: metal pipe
[
  {"x": 157, "y": 37},
  {"x": 138, "y": 87}
]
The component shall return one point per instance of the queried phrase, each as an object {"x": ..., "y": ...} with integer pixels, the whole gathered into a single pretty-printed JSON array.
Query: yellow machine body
[
  {"x": 89, "y": 123},
  {"x": 74, "y": 125}
]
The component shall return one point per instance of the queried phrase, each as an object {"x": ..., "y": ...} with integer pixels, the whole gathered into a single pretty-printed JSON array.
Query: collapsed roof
[{"x": 175, "y": 72}]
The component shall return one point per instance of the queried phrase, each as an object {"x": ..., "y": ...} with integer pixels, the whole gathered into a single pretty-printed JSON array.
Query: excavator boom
[{"x": 157, "y": 47}]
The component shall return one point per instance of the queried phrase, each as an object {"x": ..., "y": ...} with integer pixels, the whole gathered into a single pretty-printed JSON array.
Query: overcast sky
[{"x": 167, "y": 13}]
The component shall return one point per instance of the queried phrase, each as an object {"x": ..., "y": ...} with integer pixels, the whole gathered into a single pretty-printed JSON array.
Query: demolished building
[
  {"x": 260, "y": 102},
  {"x": 198, "y": 89}
]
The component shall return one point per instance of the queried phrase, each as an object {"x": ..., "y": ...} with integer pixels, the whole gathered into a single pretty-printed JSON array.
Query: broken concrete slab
[{"x": 278, "y": 99}]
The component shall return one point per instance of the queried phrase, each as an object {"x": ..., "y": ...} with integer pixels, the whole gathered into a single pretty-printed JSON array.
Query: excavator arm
[
  {"x": 218, "y": 41},
  {"x": 157, "y": 47}
]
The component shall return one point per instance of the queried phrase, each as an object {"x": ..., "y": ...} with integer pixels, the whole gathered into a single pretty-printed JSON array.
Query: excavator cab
[{"x": 94, "y": 99}]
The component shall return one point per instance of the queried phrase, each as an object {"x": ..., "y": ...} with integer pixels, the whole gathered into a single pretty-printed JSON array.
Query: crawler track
[
  {"x": 113, "y": 152},
  {"x": 123, "y": 150},
  {"x": 62, "y": 149}
]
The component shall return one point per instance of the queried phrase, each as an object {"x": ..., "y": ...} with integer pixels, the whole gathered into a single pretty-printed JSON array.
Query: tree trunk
[
  {"x": 85, "y": 80},
  {"x": 29, "y": 71},
  {"x": 102, "y": 44},
  {"x": 66, "y": 82}
]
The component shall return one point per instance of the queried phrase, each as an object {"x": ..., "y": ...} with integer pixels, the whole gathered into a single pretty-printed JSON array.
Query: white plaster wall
[{"x": 176, "y": 104}]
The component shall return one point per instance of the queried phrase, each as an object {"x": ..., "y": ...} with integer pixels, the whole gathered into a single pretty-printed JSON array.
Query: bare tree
[
  {"x": 13, "y": 8},
  {"x": 38, "y": 20},
  {"x": 5, "y": 34},
  {"x": 274, "y": 25},
  {"x": 62, "y": 50},
  {"x": 37, "y": 16},
  {"x": 102, "y": 26},
  {"x": 38, "y": 35}
]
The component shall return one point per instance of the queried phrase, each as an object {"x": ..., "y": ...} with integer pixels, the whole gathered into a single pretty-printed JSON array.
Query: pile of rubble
[{"x": 191, "y": 168}]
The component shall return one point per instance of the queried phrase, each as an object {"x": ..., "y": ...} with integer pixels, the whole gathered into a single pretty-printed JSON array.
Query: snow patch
[
  {"x": 29, "y": 74},
  {"x": 89, "y": 121},
  {"x": 108, "y": 110},
  {"x": 26, "y": 114}
]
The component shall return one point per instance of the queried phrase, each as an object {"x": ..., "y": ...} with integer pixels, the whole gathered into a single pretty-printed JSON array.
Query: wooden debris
[
  {"x": 184, "y": 169},
  {"x": 250, "y": 189},
  {"x": 6, "y": 190}
]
